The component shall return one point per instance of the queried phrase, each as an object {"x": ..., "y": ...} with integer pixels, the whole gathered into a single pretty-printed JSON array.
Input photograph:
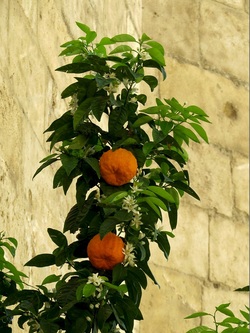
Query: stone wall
[{"x": 206, "y": 44}]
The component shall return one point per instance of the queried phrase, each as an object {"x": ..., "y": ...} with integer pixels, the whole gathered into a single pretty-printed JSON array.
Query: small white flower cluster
[
  {"x": 113, "y": 86},
  {"x": 130, "y": 204},
  {"x": 97, "y": 281},
  {"x": 73, "y": 104},
  {"x": 129, "y": 256}
]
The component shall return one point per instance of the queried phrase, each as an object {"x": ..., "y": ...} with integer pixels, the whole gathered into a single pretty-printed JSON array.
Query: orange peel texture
[
  {"x": 107, "y": 252},
  {"x": 118, "y": 167}
]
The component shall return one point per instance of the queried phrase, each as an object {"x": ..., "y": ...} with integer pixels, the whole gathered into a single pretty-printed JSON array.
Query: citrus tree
[{"x": 128, "y": 163}]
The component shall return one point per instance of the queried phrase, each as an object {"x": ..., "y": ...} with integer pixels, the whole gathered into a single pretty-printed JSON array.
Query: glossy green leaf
[
  {"x": 69, "y": 163},
  {"x": 121, "y": 48},
  {"x": 156, "y": 45},
  {"x": 141, "y": 120},
  {"x": 195, "y": 109},
  {"x": 156, "y": 55},
  {"x": 151, "y": 81},
  {"x": 88, "y": 290},
  {"x": 83, "y": 27},
  {"x": 200, "y": 130},
  {"x": 51, "y": 279},
  {"x": 57, "y": 237},
  {"x": 44, "y": 165},
  {"x": 94, "y": 163},
  {"x": 198, "y": 314},
  {"x": 123, "y": 38},
  {"x": 90, "y": 36},
  {"x": 42, "y": 260},
  {"x": 162, "y": 193},
  {"x": 116, "y": 196}
]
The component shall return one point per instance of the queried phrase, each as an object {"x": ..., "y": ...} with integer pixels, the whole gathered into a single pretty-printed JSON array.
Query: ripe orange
[
  {"x": 118, "y": 166},
  {"x": 107, "y": 252}
]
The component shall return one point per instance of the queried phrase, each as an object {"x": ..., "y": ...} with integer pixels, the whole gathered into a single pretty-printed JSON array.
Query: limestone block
[
  {"x": 189, "y": 248},
  {"x": 247, "y": 6},
  {"x": 30, "y": 81},
  {"x": 241, "y": 183},
  {"x": 4, "y": 6},
  {"x": 210, "y": 175},
  {"x": 213, "y": 297},
  {"x": 229, "y": 255},
  {"x": 175, "y": 24},
  {"x": 224, "y": 39},
  {"x": 165, "y": 308},
  {"x": 239, "y": 4},
  {"x": 224, "y": 102},
  {"x": 29, "y": 8}
]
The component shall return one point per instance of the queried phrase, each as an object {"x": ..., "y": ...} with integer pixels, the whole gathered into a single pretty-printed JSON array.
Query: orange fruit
[
  {"x": 107, "y": 252},
  {"x": 118, "y": 166}
]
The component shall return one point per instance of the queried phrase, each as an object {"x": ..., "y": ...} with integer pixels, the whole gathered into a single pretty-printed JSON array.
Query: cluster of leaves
[
  {"x": 10, "y": 279},
  {"x": 107, "y": 112},
  {"x": 231, "y": 324}
]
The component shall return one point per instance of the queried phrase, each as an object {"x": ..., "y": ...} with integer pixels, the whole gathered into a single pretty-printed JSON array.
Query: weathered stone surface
[
  {"x": 176, "y": 26},
  {"x": 241, "y": 183},
  {"x": 239, "y": 4},
  {"x": 224, "y": 102},
  {"x": 228, "y": 258},
  {"x": 172, "y": 300},
  {"x": 211, "y": 178},
  {"x": 224, "y": 39}
]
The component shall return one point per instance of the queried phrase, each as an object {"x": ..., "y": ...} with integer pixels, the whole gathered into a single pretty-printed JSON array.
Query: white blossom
[
  {"x": 129, "y": 256},
  {"x": 95, "y": 280},
  {"x": 129, "y": 203},
  {"x": 136, "y": 221}
]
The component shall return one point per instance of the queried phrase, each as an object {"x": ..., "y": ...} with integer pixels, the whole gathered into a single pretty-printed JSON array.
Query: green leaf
[
  {"x": 245, "y": 314},
  {"x": 123, "y": 38},
  {"x": 179, "y": 129},
  {"x": 51, "y": 279},
  {"x": 182, "y": 186},
  {"x": 83, "y": 27},
  {"x": 44, "y": 165},
  {"x": 153, "y": 206},
  {"x": 156, "y": 45},
  {"x": 106, "y": 41},
  {"x": 195, "y": 109},
  {"x": 246, "y": 288},
  {"x": 200, "y": 130},
  {"x": 163, "y": 243},
  {"x": 198, "y": 314},
  {"x": 141, "y": 120},
  {"x": 115, "y": 197},
  {"x": 151, "y": 81},
  {"x": 42, "y": 260},
  {"x": 154, "y": 64},
  {"x": 107, "y": 225},
  {"x": 94, "y": 163},
  {"x": 82, "y": 111},
  {"x": 88, "y": 290},
  {"x": 69, "y": 162},
  {"x": 117, "y": 119},
  {"x": 161, "y": 193},
  {"x": 90, "y": 36},
  {"x": 119, "y": 274},
  {"x": 121, "y": 48},
  {"x": 156, "y": 55},
  {"x": 147, "y": 147},
  {"x": 57, "y": 237}
]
